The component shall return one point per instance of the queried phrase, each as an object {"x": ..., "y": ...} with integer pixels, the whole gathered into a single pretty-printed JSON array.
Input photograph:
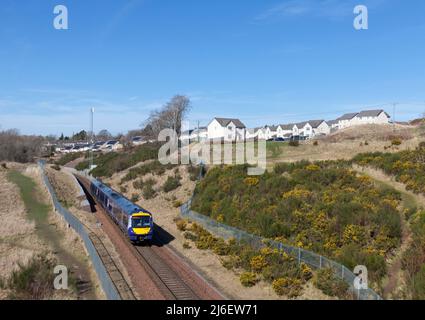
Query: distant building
[
  {"x": 364, "y": 117},
  {"x": 227, "y": 129},
  {"x": 200, "y": 134},
  {"x": 333, "y": 124},
  {"x": 320, "y": 128},
  {"x": 346, "y": 120},
  {"x": 285, "y": 130},
  {"x": 372, "y": 117}
]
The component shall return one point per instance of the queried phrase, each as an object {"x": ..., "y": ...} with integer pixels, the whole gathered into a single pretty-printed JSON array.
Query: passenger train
[{"x": 134, "y": 221}]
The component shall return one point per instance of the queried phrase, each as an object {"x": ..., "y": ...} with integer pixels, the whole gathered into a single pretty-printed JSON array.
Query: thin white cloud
[{"x": 318, "y": 8}]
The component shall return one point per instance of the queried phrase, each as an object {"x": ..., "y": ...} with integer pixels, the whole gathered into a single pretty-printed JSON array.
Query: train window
[
  {"x": 125, "y": 220},
  {"x": 140, "y": 222}
]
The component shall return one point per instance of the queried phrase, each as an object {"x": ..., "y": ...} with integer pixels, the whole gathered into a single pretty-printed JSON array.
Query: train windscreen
[{"x": 140, "y": 222}]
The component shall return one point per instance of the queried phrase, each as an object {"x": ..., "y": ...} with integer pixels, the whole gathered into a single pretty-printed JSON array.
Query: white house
[
  {"x": 347, "y": 120},
  {"x": 227, "y": 129},
  {"x": 320, "y": 127},
  {"x": 372, "y": 117},
  {"x": 285, "y": 130},
  {"x": 200, "y": 134},
  {"x": 303, "y": 129},
  {"x": 333, "y": 124},
  {"x": 270, "y": 132},
  {"x": 364, "y": 117},
  {"x": 185, "y": 135}
]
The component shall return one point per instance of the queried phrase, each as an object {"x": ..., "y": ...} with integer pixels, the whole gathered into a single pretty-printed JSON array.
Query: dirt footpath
[{"x": 393, "y": 286}]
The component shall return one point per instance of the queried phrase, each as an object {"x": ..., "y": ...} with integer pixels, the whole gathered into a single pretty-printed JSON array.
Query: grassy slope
[{"x": 37, "y": 210}]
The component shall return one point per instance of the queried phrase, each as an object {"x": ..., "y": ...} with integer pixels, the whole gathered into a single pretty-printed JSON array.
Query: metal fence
[
  {"x": 106, "y": 282},
  {"x": 312, "y": 259}
]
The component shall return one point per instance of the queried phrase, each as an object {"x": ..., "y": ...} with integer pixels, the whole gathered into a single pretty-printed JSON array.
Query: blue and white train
[{"x": 135, "y": 221}]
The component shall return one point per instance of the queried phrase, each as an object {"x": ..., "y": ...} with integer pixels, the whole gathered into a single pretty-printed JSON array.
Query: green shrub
[
  {"x": 396, "y": 142},
  {"x": 138, "y": 184},
  {"x": 289, "y": 287},
  {"x": 181, "y": 224},
  {"x": 177, "y": 204},
  {"x": 186, "y": 245},
  {"x": 294, "y": 143},
  {"x": 33, "y": 280},
  {"x": 68, "y": 158},
  {"x": 418, "y": 284},
  {"x": 148, "y": 192},
  {"x": 220, "y": 248},
  {"x": 248, "y": 279},
  {"x": 190, "y": 236},
  {"x": 171, "y": 184},
  {"x": 326, "y": 281},
  {"x": 135, "y": 197}
]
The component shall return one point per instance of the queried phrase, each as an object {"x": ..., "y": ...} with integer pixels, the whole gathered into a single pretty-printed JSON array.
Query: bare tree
[
  {"x": 169, "y": 116},
  {"x": 14, "y": 147},
  {"x": 104, "y": 135}
]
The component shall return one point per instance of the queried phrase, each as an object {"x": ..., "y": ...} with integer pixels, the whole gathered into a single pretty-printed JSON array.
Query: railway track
[
  {"x": 161, "y": 271},
  {"x": 122, "y": 286},
  {"x": 173, "y": 285}
]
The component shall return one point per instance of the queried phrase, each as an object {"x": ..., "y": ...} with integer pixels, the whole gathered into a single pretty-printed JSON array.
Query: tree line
[{"x": 20, "y": 148}]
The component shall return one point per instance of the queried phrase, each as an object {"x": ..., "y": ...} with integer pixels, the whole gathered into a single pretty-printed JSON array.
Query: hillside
[{"x": 346, "y": 143}]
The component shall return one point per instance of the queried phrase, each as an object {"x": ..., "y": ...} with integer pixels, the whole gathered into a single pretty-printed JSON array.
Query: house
[
  {"x": 252, "y": 134},
  {"x": 227, "y": 129},
  {"x": 270, "y": 132},
  {"x": 111, "y": 145},
  {"x": 303, "y": 129},
  {"x": 285, "y": 130},
  {"x": 199, "y": 134},
  {"x": 372, "y": 117},
  {"x": 347, "y": 120},
  {"x": 320, "y": 127},
  {"x": 333, "y": 124},
  {"x": 186, "y": 135},
  {"x": 138, "y": 141}
]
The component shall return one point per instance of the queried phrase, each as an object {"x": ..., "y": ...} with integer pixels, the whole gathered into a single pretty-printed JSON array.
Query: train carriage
[{"x": 133, "y": 220}]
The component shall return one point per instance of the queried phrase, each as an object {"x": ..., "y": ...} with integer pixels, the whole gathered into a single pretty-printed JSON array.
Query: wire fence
[
  {"x": 106, "y": 282},
  {"x": 312, "y": 259}
]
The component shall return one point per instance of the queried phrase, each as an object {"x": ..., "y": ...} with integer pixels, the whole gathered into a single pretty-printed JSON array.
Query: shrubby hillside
[
  {"x": 113, "y": 162},
  {"x": 324, "y": 207},
  {"x": 408, "y": 166}
]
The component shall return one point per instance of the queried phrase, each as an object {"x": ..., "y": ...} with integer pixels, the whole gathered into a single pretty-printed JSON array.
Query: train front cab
[{"x": 140, "y": 227}]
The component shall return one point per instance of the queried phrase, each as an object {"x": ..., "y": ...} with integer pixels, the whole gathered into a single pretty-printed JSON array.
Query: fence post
[
  {"x": 299, "y": 255},
  {"x": 342, "y": 273},
  {"x": 320, "y": 264}
]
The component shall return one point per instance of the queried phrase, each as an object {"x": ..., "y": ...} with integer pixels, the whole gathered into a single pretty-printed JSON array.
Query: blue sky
[{"x": 262, "y": 61}]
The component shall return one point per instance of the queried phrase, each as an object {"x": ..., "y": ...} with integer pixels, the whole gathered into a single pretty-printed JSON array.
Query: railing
[
  {"x": 312, "y": 259},
  {"x": 105, "y": 281}
]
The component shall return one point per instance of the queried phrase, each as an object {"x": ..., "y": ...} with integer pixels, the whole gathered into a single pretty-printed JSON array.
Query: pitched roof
[
  {"x": 371, "y": 113},
  {"x": 347, "y": 116},
  {"x": 332, "y": 122},
  {"x": 315, "y": 123},
  {"x": 272, "y": 128},
  {"x": 225, "y": 121},
  {"x": 288, "y": 126},
  {"x": 301, "y": 125}
]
